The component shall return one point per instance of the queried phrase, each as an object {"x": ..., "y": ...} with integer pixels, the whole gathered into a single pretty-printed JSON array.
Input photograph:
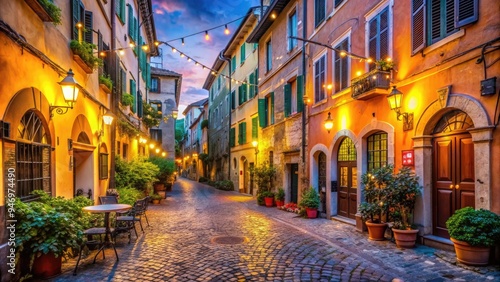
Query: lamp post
[{"x": 255, "y": 145}]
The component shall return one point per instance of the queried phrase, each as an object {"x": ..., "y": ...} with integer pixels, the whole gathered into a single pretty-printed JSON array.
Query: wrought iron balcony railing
[{"x": 373, "y": 83}]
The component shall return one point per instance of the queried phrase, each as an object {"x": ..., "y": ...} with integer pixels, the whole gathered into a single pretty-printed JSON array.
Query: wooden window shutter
[
  {"x": 466, "y": 12},
  {"x": 244, "y": 87},
  {"x": 383, "y": 45},
  {"x": 139, "y": 105},
  {"x": 300, "y": 93},
  {"x": 256, "y": 79},
  {"x": 88, "y": 23},
  {"x": 262, "y": 113},
  {"x": 243, "y": 133},
  {"x": 75, "y": 10},
  {"x": 232, "y": 133},
  {"x": 255, "y": 124},
  {"x": 288, "y": 99},
  {"x": 418, "y": 26},
  {"x": 251, "y": 80},
  {"x": 233, "y": 100},
  {"x": 242, "y": 53},
  {"x": 271, "y": 113},
  {"x": 240, "y": 133},
  {"x": 130, "y": 23},
  {"x": 134, "y": 94}
]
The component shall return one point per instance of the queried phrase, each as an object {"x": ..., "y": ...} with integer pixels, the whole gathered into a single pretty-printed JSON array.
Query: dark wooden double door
[
  {"x": 453, "y": 170},
  {"x": 347, "y": 189}
]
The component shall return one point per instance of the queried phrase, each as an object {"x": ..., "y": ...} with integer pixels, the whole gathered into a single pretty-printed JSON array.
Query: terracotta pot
[
  {"x": 159, "y": 187},
  {"x": 280, "y": 203},
  {"x": 471, "y": 255},
  {"x": 269, "y": 201},
  {"x": 156, "y": 202},
  {"x": 405, "y": 238},
  {"x": 311, "y": 213},
  {"x": 46, "y": 266},
  {"x": 376, "y": 231}
]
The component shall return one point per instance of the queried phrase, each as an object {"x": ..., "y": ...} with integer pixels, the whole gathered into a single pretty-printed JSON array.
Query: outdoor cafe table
[{"x": 107, "y": 209}]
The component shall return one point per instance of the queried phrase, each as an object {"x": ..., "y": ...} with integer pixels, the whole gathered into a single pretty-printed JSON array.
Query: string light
[
  {"x": 226, "y": 30},
  {"x": 207, "y": 37},
  {"x": 174, "y": 50},
  {"x": 182, "y": 41}
]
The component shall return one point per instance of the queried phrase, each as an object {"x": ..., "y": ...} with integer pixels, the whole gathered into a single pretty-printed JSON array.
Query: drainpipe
[
  {"x": 222, "y": 57},
  {"x": 304, "y": 110}
]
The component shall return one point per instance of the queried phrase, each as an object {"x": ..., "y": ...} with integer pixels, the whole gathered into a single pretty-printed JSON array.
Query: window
[
  {"x": 125, "y": 151},
  {"x": 269, "y": 56},
  {"x": 290, "y": 95},
  {"x": 156, "y": 105},
  {"x": 233, "y": 64},
  {"x": 341, "y": 67},
  {"x": 233, "y": 100},
  {"x": 271, "y": 158},
  {"x": 320, "y": 79},
  {"x": 377, "y": 150},
  {"x": 266, "y": 110},
  {"x": 242, "y": 91},
  {"x": 156, "y": 135},
  {"x": 232, "y": 135},
  {"x": 133, "y": 27},
  {"x": 255, "y": 125},
  {"x": 79, "y": 15},
  {"x": 242, "y": 133},
  {"x": 433, "y": 20},
  {"x": 134, "y": 94},
  {"x": 292, "y": 30},
  {"x": 103, "y": 166},
  {"x": 319, "y": 12},
  {"x": 155, "y": 84},
  {"x": 338, "y": 2},
  {"x": 253, "y": 81},
  {"x": 118, "y": 147},
  {"x": 378, "y": 36},
  {"x": 120, "y": 10},
  {"x": 242, "y": 53},
  {"x": 32, "y": 156}
]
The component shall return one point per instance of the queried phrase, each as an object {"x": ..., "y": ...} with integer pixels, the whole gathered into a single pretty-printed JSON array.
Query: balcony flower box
[
  {"x": 371, "y": 84},
  {"x": 79, "y": 61},
  {"x": 46, "y": 11}
]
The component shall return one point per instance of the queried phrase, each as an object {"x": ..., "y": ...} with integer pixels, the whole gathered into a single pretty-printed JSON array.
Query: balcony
[{"x": 371, "y": 84}]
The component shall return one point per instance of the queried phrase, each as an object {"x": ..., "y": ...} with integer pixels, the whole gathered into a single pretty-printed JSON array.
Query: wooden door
[
  {"x": 347, "y": 192},
  {"x": 294, "y": 183},
  {"x": 453, "y": 178}
]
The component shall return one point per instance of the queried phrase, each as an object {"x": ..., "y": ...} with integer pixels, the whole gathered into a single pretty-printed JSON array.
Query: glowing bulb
[
  {"x": 226, "y": 30},
  {"x": 329, "y": 87},
  {"x": 196, "y": 63},
  {"x": 79, "y": 25},
  {"x": 273, "y": 15},
  {"x": 207, "y": 37},
  {"x": 343, "y": 54},
  {"x": 388, "y": 59},
  {"x": 102, "y": 54},
  {"x": 174, "y": 50},
  {"x": 157, "y": 43},
  {"x": 131, "y": 44},
  {"x": 369, "y": 60},
  {"x": 358, "y": 73},
  {"x": 152, "y": 145},
  {"x": 163, "y": 154},
  {"x": 189, "y": 59},
  {"x": 121, "y": 52},
  {"x": 182, "y": 55},
  {"x": 145, "y": 47},
  {"x": 182, "y": 40},
  {"x": 157, "y": 150}
]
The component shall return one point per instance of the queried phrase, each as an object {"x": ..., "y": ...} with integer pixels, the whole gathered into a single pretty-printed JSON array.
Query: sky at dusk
[{"x": 178, "y": 18}]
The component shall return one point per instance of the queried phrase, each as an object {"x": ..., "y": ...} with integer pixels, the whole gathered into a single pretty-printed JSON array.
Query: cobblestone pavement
[{"x": 183, "y": 245}]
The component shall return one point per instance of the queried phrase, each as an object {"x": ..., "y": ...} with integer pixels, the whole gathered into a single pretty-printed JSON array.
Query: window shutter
[
  {"x": 134, "y": 94},
  {"x": 232, "y": 133},
  {"x": 272, "y": 107},
  {"x": 148, "y": 76},
  {"x": 233, "y": 100},
  {"x": 233, "y": 64},
  {"x": 130, "y": 23},
  {"x": 139, "y": 106},
  {"x": 75, "y": 9},
  {"x": 256, "y": 79},
  {"x": 262, "y": 113},
  {"x": 466, "y": 12},
  {"x": 288, "y": 97},
  {"x": 255, "y": 124},
  {"x": 418, "y": 25},
  {"x": 239, "y": 95},
  {"x": 136, "y": 28},
  {"x": 244, "y": 87},
  {"x": 251, "y": 80},
  {"x": 240, "y": 133},
  {"x": 300, "y": 93},
  {"x": 88, "y": 27},
  {"x": 383, "y": 44},
  {"x": 242, "y": 53},
  {"x": 123, "y": 75},
  {"x": 243, "y": 133}
]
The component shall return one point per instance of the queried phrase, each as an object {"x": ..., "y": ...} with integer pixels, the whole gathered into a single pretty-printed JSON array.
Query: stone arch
[{"x": 81, "y": 125}]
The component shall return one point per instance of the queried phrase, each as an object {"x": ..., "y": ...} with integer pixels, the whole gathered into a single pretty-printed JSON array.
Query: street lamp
[
  {"x": 255, "y": 145},
  {"x": 394, "y": 99},
  {"x": 328, "y": 123},
  {"x": 70, "y": 93},
  {"x": 108, "y": 117}
]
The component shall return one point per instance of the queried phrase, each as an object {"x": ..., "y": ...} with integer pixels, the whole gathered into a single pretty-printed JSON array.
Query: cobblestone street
[{"x": 186, "y": 243}]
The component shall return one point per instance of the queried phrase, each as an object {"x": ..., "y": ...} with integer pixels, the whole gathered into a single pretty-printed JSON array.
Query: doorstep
[
  {"x": 349, "y": 221},
  {"x": 438, "y": 242}
]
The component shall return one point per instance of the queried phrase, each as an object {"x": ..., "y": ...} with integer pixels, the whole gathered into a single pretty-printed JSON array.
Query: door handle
[
  {"x": 456, "y": 186},
  {"x": 451, "y": 186}
]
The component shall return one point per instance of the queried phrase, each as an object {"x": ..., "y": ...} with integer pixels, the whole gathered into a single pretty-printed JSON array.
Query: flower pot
[
  {"x": 471, "y": 255},
  {"x": 405, "y": 238},
  {"x": 46, "y": 266},
  {"x": 280, "y": 203},
  {"x": 159, "y": 187},
  {"x": 269, "y": 201},
  {"x": 311, "y": 213},
  {"x": 376, "y": 231},
  {"x": 156, "y": 202}
]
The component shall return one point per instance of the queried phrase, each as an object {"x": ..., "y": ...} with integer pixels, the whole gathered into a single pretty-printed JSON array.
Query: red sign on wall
[{"x": 408, "y": 158}]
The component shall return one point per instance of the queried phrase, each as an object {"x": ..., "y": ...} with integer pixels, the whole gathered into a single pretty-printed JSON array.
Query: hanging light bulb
[
  {"x": 343, "y": 53},
  {"x": 182, "y": 40},
  {"x": 207, "y": 37},
  {"x": 157, "y": 43},
  {"x": 196, "y": 63},
  {"x": 174, "y": 50},
  {"x": 182, "y": 55},
  {"x": 226, "y": 30},
  {"x": 121, "y": 52},
  {"x": 131, "y": 44},
  {"x": 189, "y": 59}
]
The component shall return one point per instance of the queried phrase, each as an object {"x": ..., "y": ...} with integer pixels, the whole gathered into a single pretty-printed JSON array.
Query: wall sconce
[
  {"x": 163, "y": 154},
  {"x": 255, "y": 145},
  {"x": 108, "y": 117},
  {"x": 328, "y": 124},
  {"x": 306, "y": 100},
  {"x": 70, "y": 92},
  {"x": 394, "y": 100},
  {"x": 174, "y": 114}
]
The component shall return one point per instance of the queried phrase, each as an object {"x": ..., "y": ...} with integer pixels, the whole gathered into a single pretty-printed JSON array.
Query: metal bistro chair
[
  {"x": 125, "y": 223},
  {"x": 147, "y": 200},
  {"x": 105, "y": 200},
  {"x": 91, "y": 241}
]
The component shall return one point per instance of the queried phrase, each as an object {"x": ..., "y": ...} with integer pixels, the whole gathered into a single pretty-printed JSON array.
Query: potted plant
[
  {"x": 310, "y": 201},
  {"x": 280, "y": 197},
  {"x": 127, "y": 99},
  {"x": 106, "y": 83},
  {"x": 46, "y": 10},
  {"x": 473, "y": 233},
  {"x": 156, "y": 198},
  {"x": 264, "y": 176},
  {"x": 402, "y": 194},
  {"x": 83, "y": 54},
  {"x": 374, "y": 206},
  {"x": 268, "y": 198},
  {"x": 385, "y": 65}
]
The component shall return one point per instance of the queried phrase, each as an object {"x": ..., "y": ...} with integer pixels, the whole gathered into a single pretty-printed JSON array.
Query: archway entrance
[
  {"x": 347, "y": 183},
  {"x": 243, "y": 176},
  {"x": 453, "y": 168}
]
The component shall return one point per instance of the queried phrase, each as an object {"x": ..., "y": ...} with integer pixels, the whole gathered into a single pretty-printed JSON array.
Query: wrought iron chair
[
  {"x": 104, "y": 200},
  {"x": 91, "y": 241},
  {"x": 125, "y": 223}
]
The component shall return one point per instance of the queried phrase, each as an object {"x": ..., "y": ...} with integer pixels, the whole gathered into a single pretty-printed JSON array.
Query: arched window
[
  {"x": 32, "y": 156},
  {"x": 377, "y": 150},
  {"x": 453, "y": 121}
]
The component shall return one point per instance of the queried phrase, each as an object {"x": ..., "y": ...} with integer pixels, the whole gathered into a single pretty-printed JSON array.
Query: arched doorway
[
  {"x": 322, "y": 181},
  {"x": 243, "y": 176},
  {"x": 347, "y": 179},
  {"x": 453, "y": 168},
  {"x": 83, "y": 160}
]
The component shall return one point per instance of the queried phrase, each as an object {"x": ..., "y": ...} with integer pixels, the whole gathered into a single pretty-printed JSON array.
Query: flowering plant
[
  {"x": 402, "y": 195},
  {"x": 290, "y": 207}
]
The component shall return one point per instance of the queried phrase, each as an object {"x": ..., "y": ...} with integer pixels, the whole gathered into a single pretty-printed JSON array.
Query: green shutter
[
  {"x": 148, "y": 76},
  {"x": 233, "y": 100},
  {"x": 122, "y": 10},
  {"x": 262, "y": 113},
  {"x": 300, "y": 93},
  {"x": 232, "y": 133},
  {"x": 239, "y": 134},
  {"x": 256, "y": 79},
  {"x": 272, "y": 107},
  {"x": 130, "y": 22},
  {"x": 242, "y": 53},
  {"x": 244, "y": 87},
  {"x": 134, "y": 94},
  {"x": 251, "y": 91},
  {"x": 255, "y": 124},
  {"x": 239, "y": 95},
  {"x": 75, "y": 7},
  {"x": 288, "y": 99},
  {"x": 244, "y": 132},
  {"x": 233, "y": 64}
]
